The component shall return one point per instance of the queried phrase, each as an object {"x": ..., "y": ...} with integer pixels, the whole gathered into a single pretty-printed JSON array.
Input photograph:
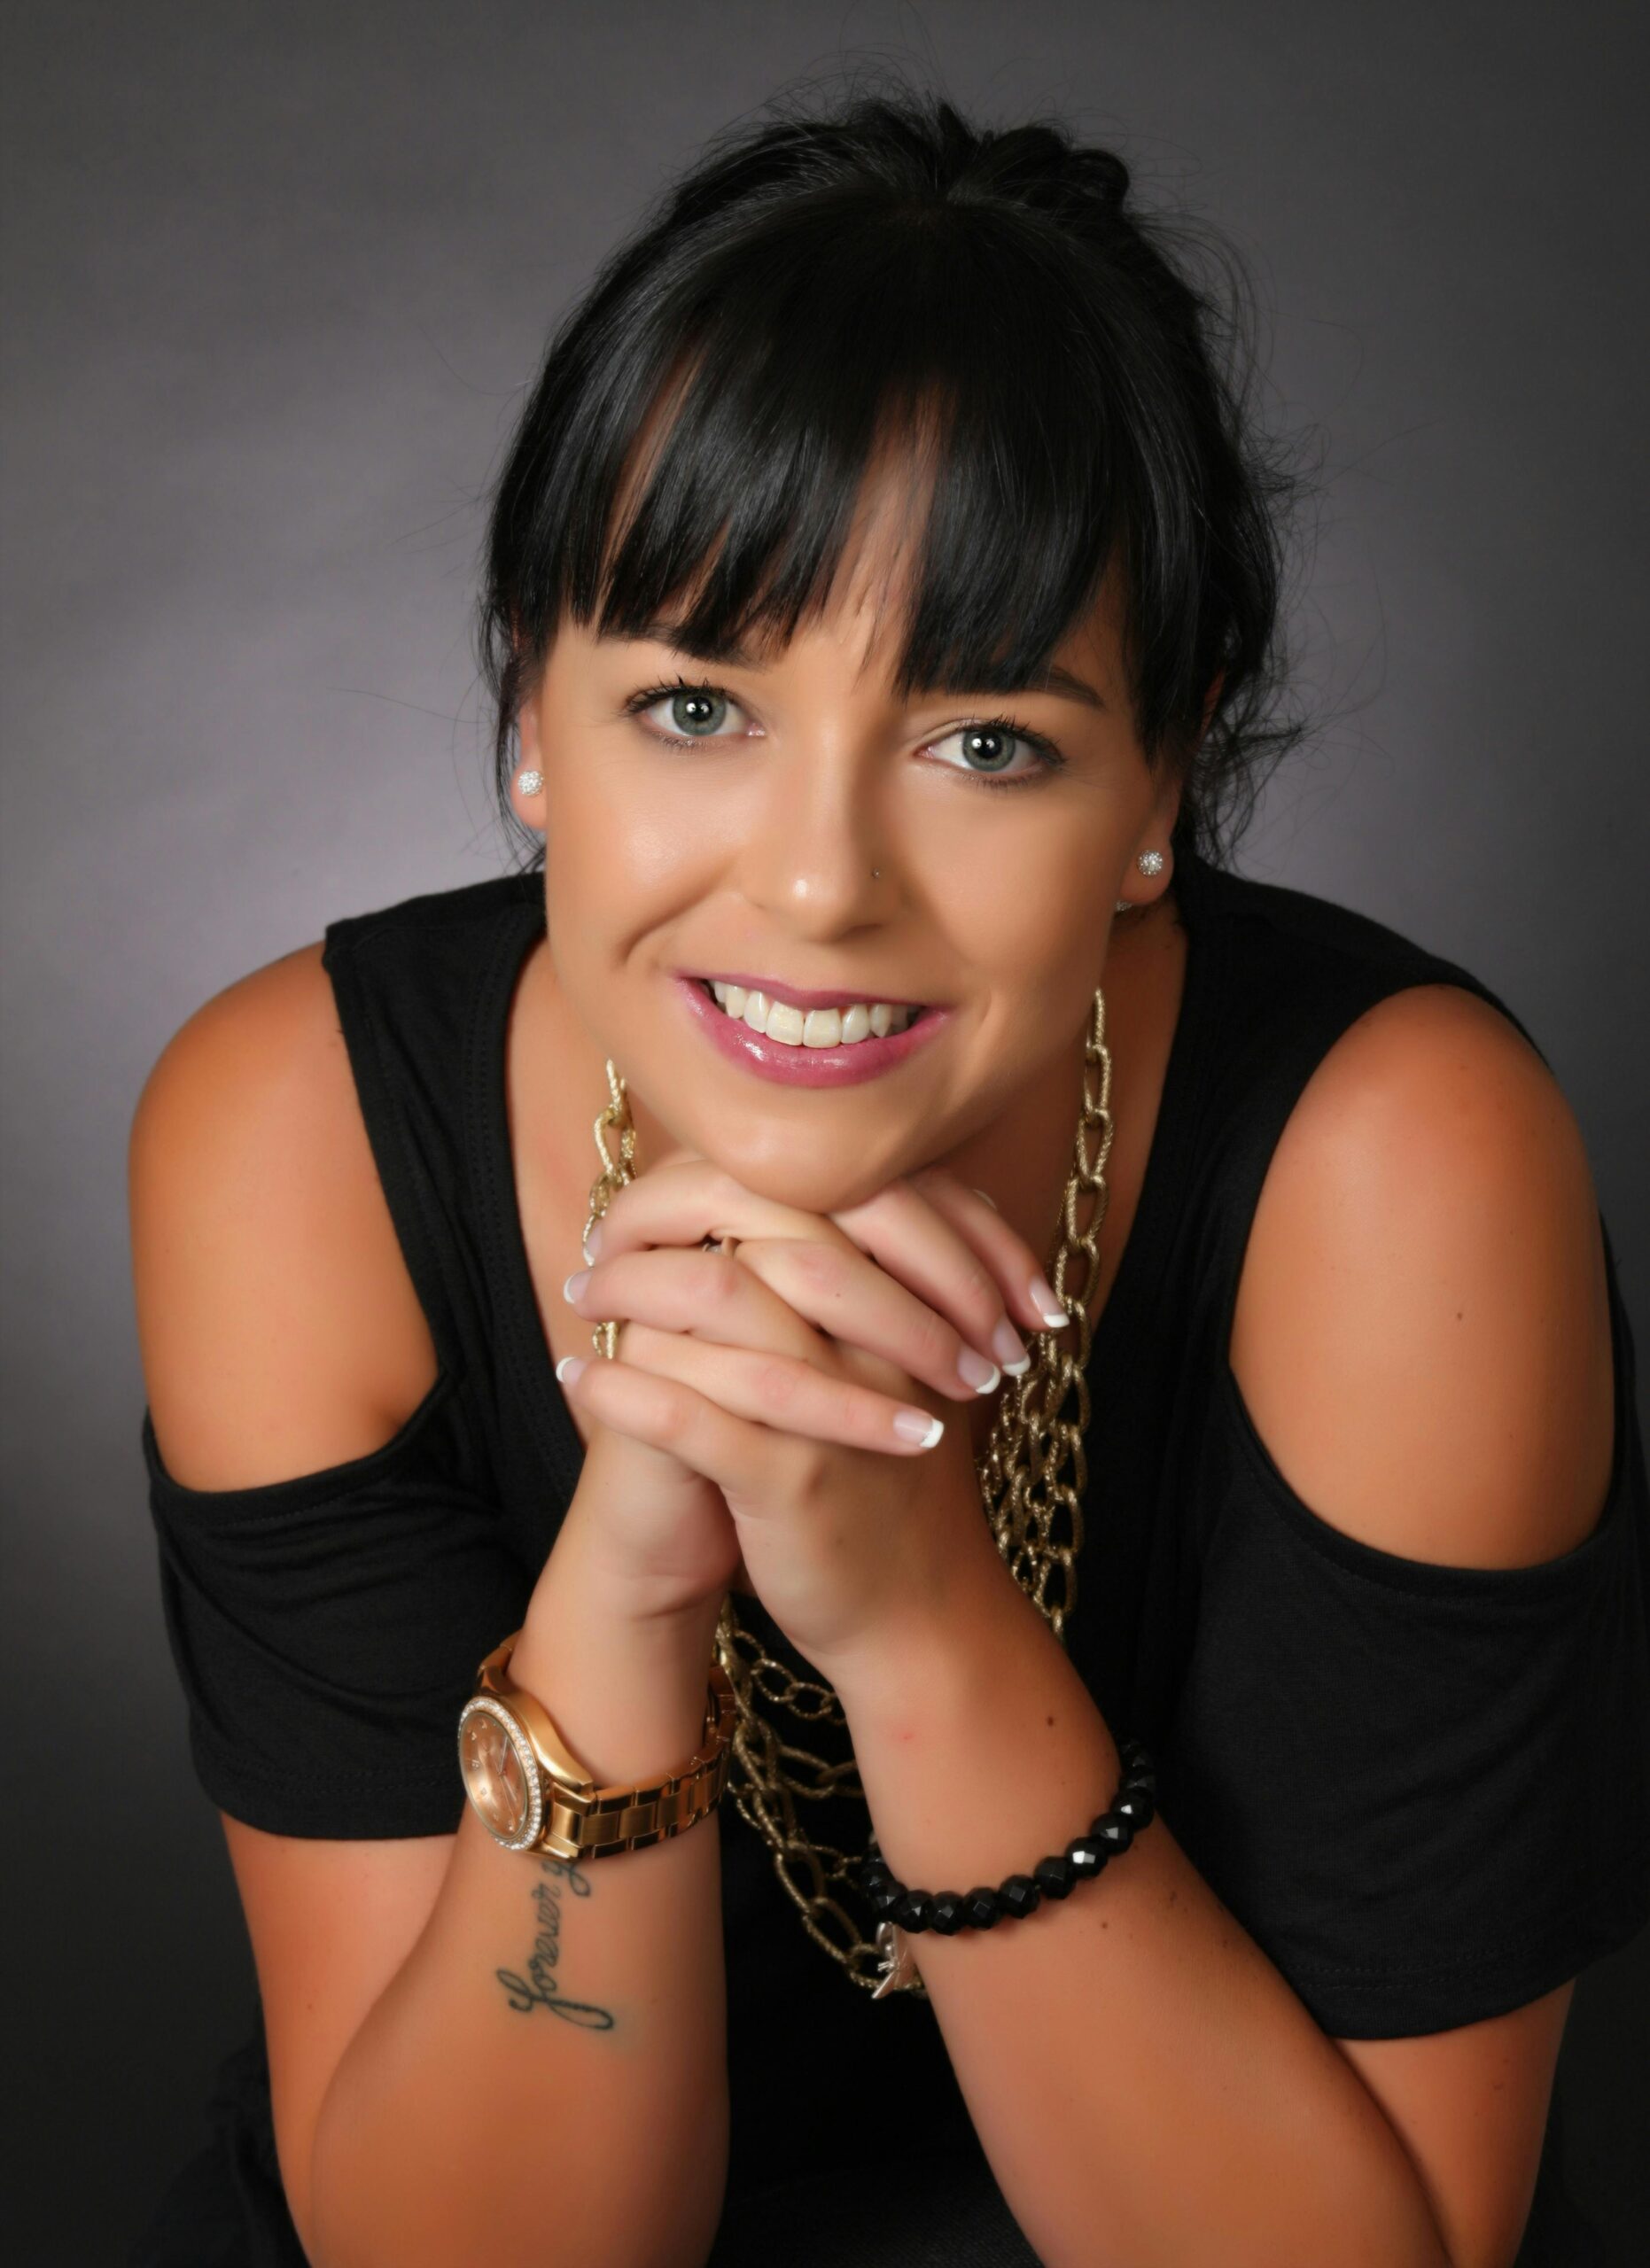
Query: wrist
[
  {"x": 942, "y": 1648},
  {"x": 627, "y": 1693},
  {"x": 582, "y": 1571},
  {"x": 983, "y": 1699}
]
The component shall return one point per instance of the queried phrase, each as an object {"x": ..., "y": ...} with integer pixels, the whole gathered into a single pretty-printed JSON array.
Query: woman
[{"x": 882, "y": 609}]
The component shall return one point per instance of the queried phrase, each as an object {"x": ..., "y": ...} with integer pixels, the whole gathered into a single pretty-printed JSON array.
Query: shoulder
[
  {"x": 250, "y": 1078},
  {"x": 278, "y": 1327},
  {"x": 1422, "y": 1329},
  {"x": 257, "y": 1034}
]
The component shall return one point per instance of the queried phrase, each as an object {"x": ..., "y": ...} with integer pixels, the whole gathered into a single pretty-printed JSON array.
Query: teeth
[{"x": 844, "y": 1027}]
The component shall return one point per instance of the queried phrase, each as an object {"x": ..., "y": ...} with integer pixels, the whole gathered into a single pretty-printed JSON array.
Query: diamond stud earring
[
  {"x": 530, "y": 781},
  {"x": 1149, "y": 862}
]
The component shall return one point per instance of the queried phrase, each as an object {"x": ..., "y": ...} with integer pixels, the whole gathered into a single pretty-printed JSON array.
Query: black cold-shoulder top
[{"x": 1424, "y": 1790}]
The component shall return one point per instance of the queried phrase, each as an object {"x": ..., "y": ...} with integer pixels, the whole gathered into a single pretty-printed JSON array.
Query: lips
[{"x": 843, "y": 1064}]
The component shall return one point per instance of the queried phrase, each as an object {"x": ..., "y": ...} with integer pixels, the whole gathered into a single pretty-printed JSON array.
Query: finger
[
  {"x": 764, "y": 1298},
  {"x": 684, "y": 1201},
  {"x": 974, "y": 1283},
  {"x": 687, "y": 1199},
  {"x": 710, "y": 1295},
  {"x": 783, "y": 1392},
  {"x": 974, "y": 1216}
]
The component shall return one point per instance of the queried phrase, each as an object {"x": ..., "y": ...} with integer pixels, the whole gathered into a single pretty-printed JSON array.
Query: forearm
[
  {"x": 545, "y": 2077},
  {"x": 1146, "y": 2084}
]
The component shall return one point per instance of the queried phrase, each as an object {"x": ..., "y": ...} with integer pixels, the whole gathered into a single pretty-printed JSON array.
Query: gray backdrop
[{"x": 275, "y": 278}]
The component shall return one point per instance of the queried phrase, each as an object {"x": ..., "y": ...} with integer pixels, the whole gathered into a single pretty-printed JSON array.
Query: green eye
[
  {"x": 994, "y": 750},
  {"x": 695, "y": 711},
  {"x": 988, "y": 750}
]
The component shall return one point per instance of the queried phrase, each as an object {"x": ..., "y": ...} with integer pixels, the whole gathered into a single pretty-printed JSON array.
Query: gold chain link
[{"x": 1032, "y": 1473}]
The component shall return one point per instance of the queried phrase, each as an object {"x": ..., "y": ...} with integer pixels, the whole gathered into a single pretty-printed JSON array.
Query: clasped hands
[{"x": 781, "y": 1399}]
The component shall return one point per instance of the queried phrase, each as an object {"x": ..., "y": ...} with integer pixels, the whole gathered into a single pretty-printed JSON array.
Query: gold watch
[{"x": 532, "y": 1794}]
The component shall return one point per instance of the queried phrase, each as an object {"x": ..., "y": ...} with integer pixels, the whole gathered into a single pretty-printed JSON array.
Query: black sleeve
[
  {"x": 326, "y": 1630},
  {"x": 1423, "y": 1789}
]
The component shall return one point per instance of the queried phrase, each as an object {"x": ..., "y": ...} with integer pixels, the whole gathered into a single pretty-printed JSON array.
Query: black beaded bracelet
[{"x": 947, "y": 1911}]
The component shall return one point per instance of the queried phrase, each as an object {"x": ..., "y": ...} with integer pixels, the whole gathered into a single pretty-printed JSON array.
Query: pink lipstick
[{"x": 803, "y": 1067}]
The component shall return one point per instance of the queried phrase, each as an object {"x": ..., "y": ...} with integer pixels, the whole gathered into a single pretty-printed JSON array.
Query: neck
[{"x": 1022, "y": 1160}]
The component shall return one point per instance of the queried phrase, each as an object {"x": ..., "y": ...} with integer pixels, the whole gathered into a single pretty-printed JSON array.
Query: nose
[{"x": 814, "y": 857}]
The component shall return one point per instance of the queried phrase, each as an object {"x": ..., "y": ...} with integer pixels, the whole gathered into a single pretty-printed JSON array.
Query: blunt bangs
[
  {"x": 825, "y": 300},
  {"x": 1016, "y": 482}
]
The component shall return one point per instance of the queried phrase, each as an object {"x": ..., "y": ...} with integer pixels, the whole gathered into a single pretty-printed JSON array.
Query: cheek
[
  {"x": 609, "y": 876},
  {"x": 620, "y": 860},
  {"x": 1029, "y": 917},
  {"x": 1035, "y": 949}
]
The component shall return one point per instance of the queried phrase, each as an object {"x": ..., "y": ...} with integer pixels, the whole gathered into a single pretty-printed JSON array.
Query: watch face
[{"x": 498, "y": 1778}]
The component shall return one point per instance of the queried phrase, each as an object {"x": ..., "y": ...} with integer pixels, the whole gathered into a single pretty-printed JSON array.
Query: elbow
[{"x": 358, "y": 2209}]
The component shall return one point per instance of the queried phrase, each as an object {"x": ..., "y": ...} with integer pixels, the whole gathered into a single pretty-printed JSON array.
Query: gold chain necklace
[{"x": 1031, "y": 1475}]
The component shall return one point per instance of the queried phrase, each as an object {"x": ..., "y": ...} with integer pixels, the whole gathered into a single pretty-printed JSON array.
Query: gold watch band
[{"x": 580, "y": 1821}]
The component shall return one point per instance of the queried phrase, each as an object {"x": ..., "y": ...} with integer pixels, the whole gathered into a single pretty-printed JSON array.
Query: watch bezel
[{"x": 516, "y": 1732}]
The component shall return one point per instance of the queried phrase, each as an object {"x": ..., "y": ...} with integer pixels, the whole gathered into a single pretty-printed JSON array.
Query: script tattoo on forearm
[{"x": 538, "y": 1988}]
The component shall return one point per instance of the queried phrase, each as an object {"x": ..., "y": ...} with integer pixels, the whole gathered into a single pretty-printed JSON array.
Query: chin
[{"x": 824, "y": 1180}]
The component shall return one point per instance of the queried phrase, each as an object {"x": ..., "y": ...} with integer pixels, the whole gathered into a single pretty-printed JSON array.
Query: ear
[
  {"x": 528, "y": 728},
  {"x": 1166, "y": 807},
  {"x": 529, "y": 809},
  {"x": 1210, "y": 704}
]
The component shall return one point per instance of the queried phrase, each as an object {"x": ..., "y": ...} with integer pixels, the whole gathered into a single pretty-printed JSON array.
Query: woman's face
[{"x": 784, "y": 822}]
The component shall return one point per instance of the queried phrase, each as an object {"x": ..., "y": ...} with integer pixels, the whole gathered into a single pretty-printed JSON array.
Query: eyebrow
[{"x": 1051, "y": 678}]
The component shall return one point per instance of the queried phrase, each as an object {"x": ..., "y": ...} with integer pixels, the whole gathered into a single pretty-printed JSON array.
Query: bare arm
[
  {"x": 1424, "y": 1332},
  {"x": 544, "y": 2077},
  {"x": 474, "y": 2055}
]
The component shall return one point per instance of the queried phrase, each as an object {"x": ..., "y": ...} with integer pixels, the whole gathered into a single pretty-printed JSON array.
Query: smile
[
  {"x": 846, "y": 1025},
  {"x": 807, "y": 1039}
]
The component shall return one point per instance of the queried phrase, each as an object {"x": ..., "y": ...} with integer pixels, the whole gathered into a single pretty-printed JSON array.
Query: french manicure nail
[
  {"x": 568, "y": 1369},
  {"x": 975, "y": 1370},
  {"x": 575, "y": 1284},
  {"x": 1046, "y": 1301},
  {"x": 1010, "y": 1350},
  {"x": 917, "y": 1425},
  {"x": 593, "y": 1242}
]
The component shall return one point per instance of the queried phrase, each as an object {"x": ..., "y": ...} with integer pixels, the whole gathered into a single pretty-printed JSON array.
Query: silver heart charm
[{"x": 899, "y": 1968}]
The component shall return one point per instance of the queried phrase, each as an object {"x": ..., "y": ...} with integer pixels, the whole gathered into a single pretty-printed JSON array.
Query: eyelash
[{"x": 1048, "y": 756}]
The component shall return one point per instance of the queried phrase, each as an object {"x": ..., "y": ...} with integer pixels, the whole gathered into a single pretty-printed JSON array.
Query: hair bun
[
  {"x": 1104, "y": 175},
  {"x": 1039, "y": 165}
]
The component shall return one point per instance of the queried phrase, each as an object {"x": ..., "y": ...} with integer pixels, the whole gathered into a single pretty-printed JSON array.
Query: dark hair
[{"x": 817, "y": 281}]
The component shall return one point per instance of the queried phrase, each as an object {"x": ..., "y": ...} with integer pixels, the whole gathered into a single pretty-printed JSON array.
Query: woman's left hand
[{"x": 801, "y": 1372}]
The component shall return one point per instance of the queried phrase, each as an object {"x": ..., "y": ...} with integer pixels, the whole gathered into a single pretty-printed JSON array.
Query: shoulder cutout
[
  {"x": 1421, "y": 1333},
  {"x": 279, "y": 1329}
]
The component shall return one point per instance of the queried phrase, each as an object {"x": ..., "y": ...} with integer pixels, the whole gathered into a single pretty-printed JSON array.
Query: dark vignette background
[{"x": 275, "y": 278}]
